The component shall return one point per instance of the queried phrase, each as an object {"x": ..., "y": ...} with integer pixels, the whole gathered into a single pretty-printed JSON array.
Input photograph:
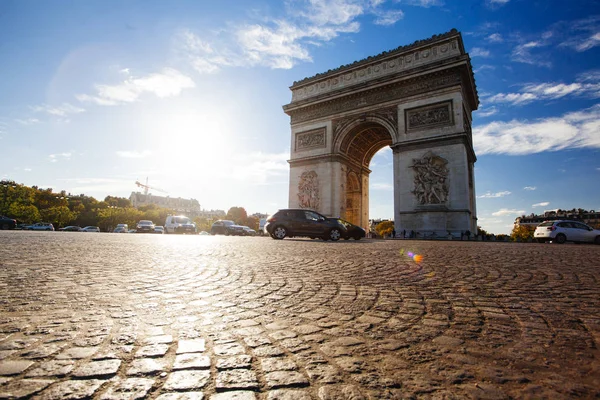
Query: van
[{"x": 179, "y": 224}]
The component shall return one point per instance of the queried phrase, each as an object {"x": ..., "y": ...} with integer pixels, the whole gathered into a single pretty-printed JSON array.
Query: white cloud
[
  {"x": 572, "y": 130},
  {"x": 28, "y": 121},
  {"x": 487, "y": 112},
  {"x": 523, "y": 54},
  {"x": 58, "y": 111},
  {"x": 134, "y": 154},
  {"x": 587, "y": 85},
  {"x": 167, "y": 83},
  {"x": 283, "y": 42},
  {"x": 389, "y": 17},
  {"x": 423, "y": 3},
  {"x": 489, "y": 195},
  {"x": 495, "y": 38},
  {"x": 542, "y": 204},
  {"x": 505, "y": 211},
  {"x": 529, "y": 188},
  {"x": 496, "y": 3},
  {"x": 479, "y": 52},
  {"x": 260, "y": 167},
  {"x": 583, "y": 34},
  {"x": 513, "y": 98},
  {"x": 60, "y": 156}
]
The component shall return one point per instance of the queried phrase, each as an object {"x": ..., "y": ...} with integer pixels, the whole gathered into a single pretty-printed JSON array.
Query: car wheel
[
  {"x": 560, "y": 238},
  {"x": 279, "y": 233},
  {"x": 4, "y": 227},
  {"x": 335, "y": 234},
  {"x": 597, "y": 240},
  {"x": 356, "y": 237}
]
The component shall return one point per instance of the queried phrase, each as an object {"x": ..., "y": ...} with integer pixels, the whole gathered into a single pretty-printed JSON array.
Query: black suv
[
  {"x": 7, "y": 223},
  {"x": 226, "y": 227},
  {"x": 300, "y": 222}
]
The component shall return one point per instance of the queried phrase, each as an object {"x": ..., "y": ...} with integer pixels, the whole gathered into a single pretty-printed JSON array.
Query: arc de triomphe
[{"x": 418, "y": 100}]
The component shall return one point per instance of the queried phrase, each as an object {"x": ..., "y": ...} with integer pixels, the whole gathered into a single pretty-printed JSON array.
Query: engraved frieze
[
  {"x": 379, "y": 69},
  {"x": 430, "y": 116},
  {"x": 376, "y": 96},
  {"x": 311, "y": 139},
  {"x": 431, "y": 175}
]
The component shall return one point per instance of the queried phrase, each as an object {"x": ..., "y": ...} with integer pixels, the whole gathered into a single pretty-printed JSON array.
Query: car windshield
[
  {"x": 145, "y": 222},
  {"x": 182, "y": 220},
  {"x": 228, "y": 223},
  {"x": 547, "y": 223}
]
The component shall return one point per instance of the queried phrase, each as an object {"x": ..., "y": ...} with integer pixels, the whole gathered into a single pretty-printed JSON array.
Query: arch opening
[{"x": 359, "y": 145}]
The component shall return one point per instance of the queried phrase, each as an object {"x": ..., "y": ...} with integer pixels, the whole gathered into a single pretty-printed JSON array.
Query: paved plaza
[{"x": 116, "y": 316}]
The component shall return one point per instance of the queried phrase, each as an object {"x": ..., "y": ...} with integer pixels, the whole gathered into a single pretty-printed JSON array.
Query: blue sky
[{"x": 98, "y": 94}]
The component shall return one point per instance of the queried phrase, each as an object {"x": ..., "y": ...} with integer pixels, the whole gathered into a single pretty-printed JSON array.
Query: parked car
[
  {"x": 249, "y": 231},
  {"x": 121, "y": 228},
  {"x": 226, "y": 227},
  {"x": 90, "y": 229},
  {"x": 23, "y": 227},
  {"x": 301, "y": 222},
  {"x": 41, "y": 226},
  {"x": 7, "y": 223},
  {"x": 561, "y": 231},
  {"x": 179, "y": 224},
  {"x": 145, "y": 226},
  {"x": 70, "y": 228},
  {"x": 159, "y": 229},
  {"x": 352, "y": 231}
]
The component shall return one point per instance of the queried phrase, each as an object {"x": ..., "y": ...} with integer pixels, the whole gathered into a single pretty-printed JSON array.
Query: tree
[
  {"x": 522, "y": 233},
  {"x": 59, "y": 215},
  {"x": 384, "y": 228},
  {"x": 108, "y": 218},
  {"x": 481, "y": 231},
  {"x": 113, "y": 201},
  {"x": 252, "y": 222},
  {"x": 237, "y": 215},
  {"x": 24, "y": 213}
]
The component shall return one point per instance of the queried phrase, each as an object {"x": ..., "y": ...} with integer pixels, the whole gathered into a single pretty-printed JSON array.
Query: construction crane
[{"x": 146, "y": 187}]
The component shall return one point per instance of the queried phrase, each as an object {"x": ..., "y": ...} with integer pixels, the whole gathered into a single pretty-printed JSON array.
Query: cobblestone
[{"x": 199, "y": 317}]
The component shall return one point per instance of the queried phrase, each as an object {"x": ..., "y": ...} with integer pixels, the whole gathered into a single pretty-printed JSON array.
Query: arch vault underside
[{"x": 416, "y": 99}]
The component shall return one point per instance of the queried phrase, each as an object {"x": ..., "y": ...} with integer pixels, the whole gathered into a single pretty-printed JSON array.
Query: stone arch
[{"x": 418, "y": 100}]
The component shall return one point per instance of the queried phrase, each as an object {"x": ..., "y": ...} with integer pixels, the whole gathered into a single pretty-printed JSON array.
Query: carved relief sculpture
[
  {"x": 308, "y": 191},
  {"x": 429, "y": 116},
  {"x": 311, "y": 139},
  {"x": 431, "y": 175}
]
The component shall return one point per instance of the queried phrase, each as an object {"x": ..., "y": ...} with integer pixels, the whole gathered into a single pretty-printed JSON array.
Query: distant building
[
  {"x": 591, "y": 218},
  {"x": 189, "y": 207},
  {"x": 212, "y": 214},
  {"x": 259, "y": 216}
]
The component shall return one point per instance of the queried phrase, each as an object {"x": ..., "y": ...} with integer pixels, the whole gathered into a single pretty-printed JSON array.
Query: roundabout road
[{"x": 112, "y": 316}]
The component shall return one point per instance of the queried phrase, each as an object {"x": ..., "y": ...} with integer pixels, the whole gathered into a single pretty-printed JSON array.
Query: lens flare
[{"x": 416, "y": 257}]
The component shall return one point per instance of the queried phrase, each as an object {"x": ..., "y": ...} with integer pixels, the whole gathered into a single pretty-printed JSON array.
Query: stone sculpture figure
[
  {"x": 431, "y": 175},
  {"x": 308, "y": 191}
]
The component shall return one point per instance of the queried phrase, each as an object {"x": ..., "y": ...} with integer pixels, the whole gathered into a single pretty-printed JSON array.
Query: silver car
[{"x": 562, "y": 231}]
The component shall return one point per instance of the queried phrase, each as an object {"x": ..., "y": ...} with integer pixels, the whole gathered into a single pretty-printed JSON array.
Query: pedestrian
[
  {"x": 394, "y": 233},
  {"x": 404, "y": 234}
]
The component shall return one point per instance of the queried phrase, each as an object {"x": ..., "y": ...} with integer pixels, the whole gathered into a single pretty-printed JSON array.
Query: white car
[
  {"x": 561, "y": 231},
  {"x": 179, "y": 224},
  {"x": 121, "y": 228},
  {"x": 41, "y": 226},
  {"x": 90, "y": 229},
  {"x": 145, "y": 226}
]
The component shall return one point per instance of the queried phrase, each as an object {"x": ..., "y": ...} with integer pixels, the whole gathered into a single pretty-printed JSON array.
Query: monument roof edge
[{"x": 418, "y": 43}]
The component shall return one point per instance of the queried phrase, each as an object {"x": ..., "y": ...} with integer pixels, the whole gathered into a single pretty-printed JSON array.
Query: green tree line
[{"x": 29, "y": 205}]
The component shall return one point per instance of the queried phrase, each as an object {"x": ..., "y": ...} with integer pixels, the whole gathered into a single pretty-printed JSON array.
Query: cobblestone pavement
[{"x": 109, "y": 316}]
